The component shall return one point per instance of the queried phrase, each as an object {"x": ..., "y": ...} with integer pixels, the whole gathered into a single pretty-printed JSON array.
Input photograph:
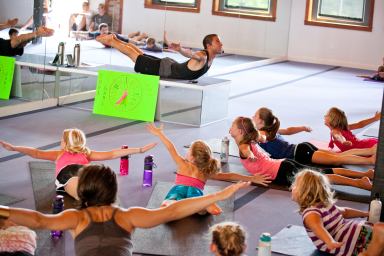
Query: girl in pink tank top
[
  {"x": 194, "y": 170},
  {"x": 341, "y": 134},
  {"x": 282, "y": 171},
  {"x": 71, "y": 156}
]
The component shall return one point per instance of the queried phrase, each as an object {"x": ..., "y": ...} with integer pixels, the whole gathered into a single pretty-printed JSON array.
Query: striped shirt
[{"x": 339, "y": 228}]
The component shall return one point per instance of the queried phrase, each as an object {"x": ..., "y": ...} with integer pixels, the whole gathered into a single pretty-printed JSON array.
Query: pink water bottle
[{"x": 124, "y": 163}]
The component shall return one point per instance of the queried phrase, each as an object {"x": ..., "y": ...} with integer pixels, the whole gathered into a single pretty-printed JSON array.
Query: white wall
[
  {"x": 341, "y": 47},
  {"x": 288, "y": 36}
]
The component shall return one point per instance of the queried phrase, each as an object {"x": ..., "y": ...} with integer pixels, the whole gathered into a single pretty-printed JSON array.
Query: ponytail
[{"x": 271, "y": 123}]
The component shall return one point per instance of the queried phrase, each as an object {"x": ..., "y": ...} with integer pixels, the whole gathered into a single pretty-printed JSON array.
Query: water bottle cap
[
  {"x": 265, "y": 237},
  {"x": 59, "y": 197},
  {"x": 148, "y": 158}
]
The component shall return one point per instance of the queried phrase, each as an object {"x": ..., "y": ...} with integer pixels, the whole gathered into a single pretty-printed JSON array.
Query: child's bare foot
[
  {"x": 372, "y": 159},
  {"x": 105, "y": 39},
  {"x": 370, "y": 173},
  {"x": 214, "y": 209},
  {"x": 365, "y": 183}
]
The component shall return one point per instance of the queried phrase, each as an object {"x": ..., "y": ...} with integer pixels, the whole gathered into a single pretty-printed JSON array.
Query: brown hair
[
  {"x": 151, "y": 40},
  {"x": 208, "y": 40},
  {"x": 229, "y": 238},
  {"x": 271, "y": 122},
  {"x": 75, "y": 141},
  {"x": 202, "y": 155},
  {"x": 337, "y": 118},
  {"x": 312, "y": 188},
  {"x": 97, "y": 186},
  {"x": 250, "y": 133}
]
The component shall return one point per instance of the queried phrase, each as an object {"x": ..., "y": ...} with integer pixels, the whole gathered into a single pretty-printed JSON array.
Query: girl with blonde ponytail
[
  {"x": 194, "y": 169},
  {"x": 72, "y": 155}
]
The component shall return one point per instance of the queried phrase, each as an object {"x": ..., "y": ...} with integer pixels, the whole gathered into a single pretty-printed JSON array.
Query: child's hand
[
  {"x": 7, "y": 145},
  {"x": 252, "y": 157},
  {"x": 334, "y": 245},
  {"x": 377, "y": 115},
  {"x": 157, "y": 131},
  {"x": 347, "y": 143},
  {"x": 148, "y": 147},
  {"x": 307, "y": 129},
  {"x": 261, "y": 179}
]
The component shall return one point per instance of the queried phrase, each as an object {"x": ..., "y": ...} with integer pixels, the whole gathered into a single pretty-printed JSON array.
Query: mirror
[{"x": 37, "y": 78}]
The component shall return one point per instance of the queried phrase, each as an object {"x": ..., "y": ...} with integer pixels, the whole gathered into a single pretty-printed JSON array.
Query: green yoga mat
[{"x": 187, "y": 236}]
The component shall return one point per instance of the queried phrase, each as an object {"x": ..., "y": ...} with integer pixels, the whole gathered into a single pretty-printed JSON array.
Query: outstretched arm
[
  {"x": 365, "y": 122},
  {"x": 116, "y": 153},
  {"x": 294, "y": 130},
  {"x": 32, "y": 152},
  {"x": 41, "y": 31},
  {"x": 158, "y": 131},
  {"x": 67, "y": 219},
  {"x": 313, "y": 222},
  {"x": 147, "y": 218},
  {"x": 231, "y": 176},
  {"x": 350, "y": 213},
  {"x": 186, "y": 52}
]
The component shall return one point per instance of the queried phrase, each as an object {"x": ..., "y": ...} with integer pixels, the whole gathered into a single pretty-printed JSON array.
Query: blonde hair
[
  {"x": 251, "y": 134},
  {"x": 75, "y": 141},
  {"x": 337, "y": 118},
  {"x": 202, "y": 155},
  {"x": 229, "y": 238},
  {"x": 312, "y": 188}
]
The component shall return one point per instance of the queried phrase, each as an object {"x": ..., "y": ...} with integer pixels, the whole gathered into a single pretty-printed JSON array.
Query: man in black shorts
[{"x": 198, "y": 64}]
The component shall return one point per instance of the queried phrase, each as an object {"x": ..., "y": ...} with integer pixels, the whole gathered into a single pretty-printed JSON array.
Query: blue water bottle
[
  {"x": 57, "y": 207},
  {"x": 148, "y": 171}
]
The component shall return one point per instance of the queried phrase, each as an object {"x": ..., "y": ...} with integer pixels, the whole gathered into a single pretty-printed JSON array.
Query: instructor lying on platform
[{"x": 196, "y": 66}]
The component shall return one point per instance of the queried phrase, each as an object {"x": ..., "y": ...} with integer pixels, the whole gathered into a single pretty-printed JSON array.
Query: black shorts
[
  {"x": 65, "y": 174},
  {"x": 304, "y": 152},
  {"x": 147, "y": 64},
  {"x": 289, "y": 168}
]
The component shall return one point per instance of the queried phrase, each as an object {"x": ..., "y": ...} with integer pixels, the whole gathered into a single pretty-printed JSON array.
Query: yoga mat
[
  {"x": 215, "y": 145},
  {"x": 43, "y": 185},
  {"x": 187, "y": 236},
  {"x": 293, "y": 240},
  {"x": 9, "y": 200}
]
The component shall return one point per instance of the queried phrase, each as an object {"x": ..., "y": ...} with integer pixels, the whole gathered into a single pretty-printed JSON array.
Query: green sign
[
  {"x": 7, "y": 67},
  {"x": 126, "y": 95}
]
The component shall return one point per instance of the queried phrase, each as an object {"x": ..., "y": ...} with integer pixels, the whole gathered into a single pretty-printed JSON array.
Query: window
[
  {"x": 249, "y": 9},
  {"x": 349, "y": 14},
  {"x": 174, "y": 5}
]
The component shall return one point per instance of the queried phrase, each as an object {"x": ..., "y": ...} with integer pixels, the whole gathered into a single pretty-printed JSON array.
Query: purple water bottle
[
  {"x": 57, "y": 207},
  {"x": 148, "y": 167},
  {"x": 124, "y": 163}
]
